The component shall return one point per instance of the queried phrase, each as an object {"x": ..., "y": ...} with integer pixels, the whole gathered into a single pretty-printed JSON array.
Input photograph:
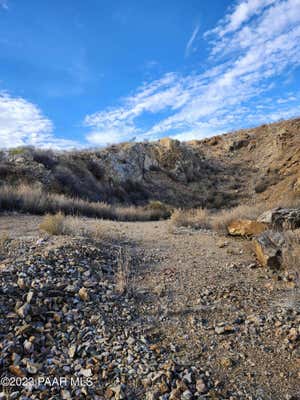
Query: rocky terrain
[
  {"x": 195, "y": 317},
  {"x": 259, "y": 164},
  {"x": 155, "y": 301}
]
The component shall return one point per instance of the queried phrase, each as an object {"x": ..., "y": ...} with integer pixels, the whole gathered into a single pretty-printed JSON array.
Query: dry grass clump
[
  {"x": 4, "y": 240},
  {"x": 288, "y": 202},
  {"x": 222, "y": 219},
  {"x": 291, "y": 255},
  {"x": 161, "y": 209},
  {"x": 53, "y": 224},
  {"x": 59, "y": 224},
  {"x": 123, "y": 274},
  {"x": 195, "y": 218},
  {"x": 34, "y": 200}
]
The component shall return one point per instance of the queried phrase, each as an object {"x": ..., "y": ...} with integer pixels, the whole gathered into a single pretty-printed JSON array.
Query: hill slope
[{"x": 261, "y": 164}]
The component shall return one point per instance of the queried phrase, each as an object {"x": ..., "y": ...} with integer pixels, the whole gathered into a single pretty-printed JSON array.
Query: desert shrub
[
  {"x": 96, "y": 169},
  {"x": 221, "y": 219},
  {"x": 123, "y": 274},
  {"x": 4, "y": 239},
  {"x": 261, "y": 187},
  {"x": 135, "y": 191},
  {"x": 270, "y": 179},
  {"x": 290, "y": 201},
  {"x": 195, "y": 218},
  {"x": 45, "y": 157},
  {"x": 35, "y": 201},
  {"x": 163, "y": 210},
  {"x": 135, "y": 213},
  {"x": 53, "y": 224},
  {"x": 66, "y": 179},
  {"x": 73, "y": 178},
  {"x": 5, "y": 170},
  {"x": 4, "y": 245},
  {"x": 19, "y": 150},
  {"x": 291, "y": 255},
  {"x": 217, "y": 200}
]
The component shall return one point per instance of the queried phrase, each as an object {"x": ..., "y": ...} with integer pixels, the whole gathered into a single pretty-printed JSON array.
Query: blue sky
[{"x": 88, "y": 73}]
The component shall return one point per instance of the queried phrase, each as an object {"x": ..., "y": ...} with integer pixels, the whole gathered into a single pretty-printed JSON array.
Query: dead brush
[
  {"x": 198, "y": 218},
  {"x": 4, "y": 240},
  {"x": 124, "y": 283},
  {"x": 291, "y": 254},
  {"x": 223, "y": 218},
  {"x": 53, "y": 224}
]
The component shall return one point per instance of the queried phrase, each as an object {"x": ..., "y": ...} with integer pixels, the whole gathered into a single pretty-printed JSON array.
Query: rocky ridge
[{"x": 260, "y": 163}]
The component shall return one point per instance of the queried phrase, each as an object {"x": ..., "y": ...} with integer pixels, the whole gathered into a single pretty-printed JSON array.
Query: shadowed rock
[
  {"x": 268, "y": 249},
  {"x": 283, "y": 218}
]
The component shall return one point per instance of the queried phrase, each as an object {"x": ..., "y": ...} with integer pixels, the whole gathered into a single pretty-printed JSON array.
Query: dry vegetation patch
[
  {"x": 222, "y": 219},
  {"x": 291, "y": 256},
  {"x": 196, "y": 218},
  {"x": 123, "y": 274},
  {"x": 34, "y": 200},
  {"x": 54, "y": 224}
]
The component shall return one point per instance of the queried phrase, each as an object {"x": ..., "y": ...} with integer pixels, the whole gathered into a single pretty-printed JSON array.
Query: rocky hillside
[{"x": 260, "y": 164}]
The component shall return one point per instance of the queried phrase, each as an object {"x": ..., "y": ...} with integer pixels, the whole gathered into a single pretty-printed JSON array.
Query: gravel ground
[{"x": 198, "y": 320}]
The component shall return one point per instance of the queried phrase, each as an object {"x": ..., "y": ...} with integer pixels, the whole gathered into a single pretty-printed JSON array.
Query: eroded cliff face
[{"x": 261, "y": 163}]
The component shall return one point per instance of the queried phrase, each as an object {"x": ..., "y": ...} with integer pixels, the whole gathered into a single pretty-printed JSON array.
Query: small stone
[
  {"x": 175, "y": 394},
  {"x": 201, "y": 386},
  {"x": 163, "y": 388},
  {"x": 187, "y": 395},
  {"x": 65, "y": 395},
  {"x": 293, "y": 334},
  {"x": 225, "y": 362},
  {"x": 28, "y": 346},
  {"x": 72, "y": 351},
  {"x": 57, "y": 317},
  {"x": 224, "y": 329},
  {"x": 86, "y": 372},
  {"x": 153, "y": 395},
  {"x": 21, "y": 283},
  {"x": 83, "y": 294},
  {"x": 23, "y": 310},
  {"x": 32, "y": 368},
  {"x": 29, "y": 297},
  {"x": 17, "y": 371}
]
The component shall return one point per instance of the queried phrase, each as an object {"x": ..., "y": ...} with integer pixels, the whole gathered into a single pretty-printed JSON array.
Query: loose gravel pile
[{"x": 66, "y": 333}]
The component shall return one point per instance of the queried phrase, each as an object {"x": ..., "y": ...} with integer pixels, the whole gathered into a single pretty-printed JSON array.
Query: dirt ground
[{"x": 202, "y": 297}]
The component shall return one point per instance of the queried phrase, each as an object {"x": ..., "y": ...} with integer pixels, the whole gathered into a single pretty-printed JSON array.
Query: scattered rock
[
  {"x": 268, "y": 249},
  {"x": 83, "y": 294},
  {"x": 245, "y": 227},
  {"x": 17, "y": 371},
  {"x": 284, "y": 218}
]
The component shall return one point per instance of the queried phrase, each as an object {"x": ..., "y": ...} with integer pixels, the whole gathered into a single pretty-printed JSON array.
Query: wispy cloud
[
  {"x": 252, "y": 48},
  {"x": 22, "y": 123},
  {"x": 4, "y": 4},
  {"x": 189, "y": 46},
  {"x": 241, "y": 13}
]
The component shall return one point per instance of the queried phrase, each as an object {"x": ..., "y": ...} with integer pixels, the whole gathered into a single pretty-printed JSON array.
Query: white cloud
[
  {"x": 241, "y": 13},
  {"x": 191, "y": 40},
  {"x": 118, "y": 123},
  {"x": 22, "y": 123},
  {"x": 260, "y": 41}
]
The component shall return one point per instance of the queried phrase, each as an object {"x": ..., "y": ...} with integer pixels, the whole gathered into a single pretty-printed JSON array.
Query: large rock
[
  {"x": 268, "y": 248},
  {"x": 246, "y": 227},
  {"x": 283, "y": 218}
]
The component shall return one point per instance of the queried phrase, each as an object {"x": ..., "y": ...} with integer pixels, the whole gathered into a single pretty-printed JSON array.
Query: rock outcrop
[
  {"x": 226, "y": 170},
  {"x": 246, "y": 227},
  {"x": 283, "y": 218},
  {"x": 269, "y": 249}
]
